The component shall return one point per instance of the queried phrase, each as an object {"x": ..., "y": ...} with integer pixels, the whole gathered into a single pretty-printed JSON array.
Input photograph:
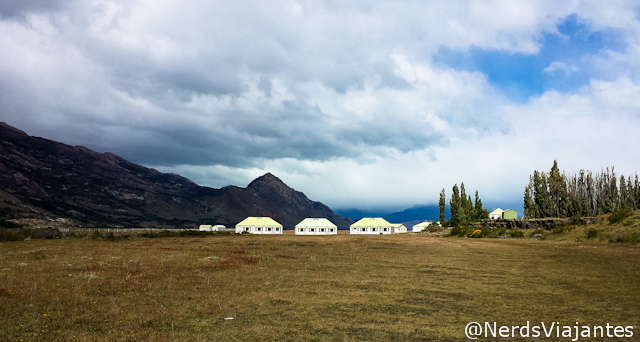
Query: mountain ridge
[{"x": 49, "y": 180}]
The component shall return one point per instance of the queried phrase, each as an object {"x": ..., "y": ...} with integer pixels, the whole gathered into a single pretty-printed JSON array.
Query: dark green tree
[
  {"x": 528, "y": 207},
  {"x": 557, "y": 186},
  {"x": 441, "y": 207},
  {"x": 541, "y": 196},
  {"x": 463, "y": 208},
  {"x": 454, "y": 207},
  {"x": 479, "y": 212},
  {"x": 624, "y": 197}
]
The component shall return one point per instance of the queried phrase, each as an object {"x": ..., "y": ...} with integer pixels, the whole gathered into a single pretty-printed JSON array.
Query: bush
[
  {"x": 626, "y": 238},
  {"x": 561, "y": 228},
  {"x": 194, "y": 233},
  {"x": 537, "y": 231},
  {"x": 457, "y": 231},
  {"x": 6, "y": 235},
  {"x": 45, "y": 233},
  {"x": 500, "y": 231},
  {"x": 474, "y": 233},
  {"x": 516, "y": 234},
  {"x": 115, "y": 237},
  {"x": 619, "y": 215},
  {"x": 23, "y": 234},
  {"x": 95, "y": 235},
  {"x": 590, "y": 233},
  {"x": 433, "y": 227}
]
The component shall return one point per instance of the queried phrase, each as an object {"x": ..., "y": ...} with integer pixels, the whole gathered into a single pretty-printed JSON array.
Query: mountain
[
  {"x": 416, "y": 213},
  {"x": 41, "y": 179},
  {"x": 356, "y": 214}
]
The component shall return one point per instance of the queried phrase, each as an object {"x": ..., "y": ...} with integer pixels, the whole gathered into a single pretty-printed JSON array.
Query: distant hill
[
  {"x": 47, "y": 180},
  {"x": 356, "y": 214},
  {"x": 416, "y": 213},
  {"x": 408, "y": 217}
]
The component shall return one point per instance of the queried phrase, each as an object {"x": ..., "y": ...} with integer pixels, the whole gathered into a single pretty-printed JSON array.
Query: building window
[
  {"x": 301, "y": 230},
  {"x": 331, "y": 230},
  {"x": 364, "y": 229},
  {"x": 312, "y": 230},
  {"x": 277, "y": 229},
  {"x": 269, "y": 229},
  {"x": 322, "y": 230},
  {"x": 386, "y": 229},
  {"x": 258, "y": 229}
]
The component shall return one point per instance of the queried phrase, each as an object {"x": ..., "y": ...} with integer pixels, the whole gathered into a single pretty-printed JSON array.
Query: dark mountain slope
[{"x": 45, "y": 179}]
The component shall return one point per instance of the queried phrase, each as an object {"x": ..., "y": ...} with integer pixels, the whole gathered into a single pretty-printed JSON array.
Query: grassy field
[{"x": 407, "y": 287}]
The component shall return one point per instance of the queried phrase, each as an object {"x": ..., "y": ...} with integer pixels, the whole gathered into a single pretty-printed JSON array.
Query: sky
[{"x": 358, "y": 104}]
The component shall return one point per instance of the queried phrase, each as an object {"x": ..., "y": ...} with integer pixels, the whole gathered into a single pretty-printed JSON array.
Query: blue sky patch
[{"x": 520, "y": 76}]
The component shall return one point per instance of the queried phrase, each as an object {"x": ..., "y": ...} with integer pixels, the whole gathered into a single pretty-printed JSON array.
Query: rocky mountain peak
[{"x": 266, "y": 181}]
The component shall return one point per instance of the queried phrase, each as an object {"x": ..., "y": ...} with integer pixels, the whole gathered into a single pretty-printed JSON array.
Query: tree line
[
  {"x": 555, "y": 194},
  {"x": 462, "y": 209}
]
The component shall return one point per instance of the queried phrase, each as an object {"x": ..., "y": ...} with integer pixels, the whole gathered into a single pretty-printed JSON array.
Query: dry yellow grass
[{"x": 291, "y": 288}]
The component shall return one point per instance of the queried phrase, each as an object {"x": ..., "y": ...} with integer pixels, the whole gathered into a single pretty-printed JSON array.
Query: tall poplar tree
[
  {"x": 479, "y": 212},
  {"x": 441, "y": 207},
  {"x": 557, "y": 186},
  {"x": 528, "y": 209},
  {"x": 463, "y": 207},
  {"x": 454, "y": 206}
]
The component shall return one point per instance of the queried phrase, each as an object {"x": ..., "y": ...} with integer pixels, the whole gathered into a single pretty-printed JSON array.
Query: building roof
[
  {"x": 396, "y": 225},
  {"x": 497, "y": 212},
  {"x": 316, "y": 222},
  {"x": 423, "y": 224},
  {"x": 372, "y": 222},
  {"x": 259, "y": 221},
  {"x": 510, "y": 210}
]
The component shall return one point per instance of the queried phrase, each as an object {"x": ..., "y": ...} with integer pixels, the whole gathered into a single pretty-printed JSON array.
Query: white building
[
  {"x": 316, "y": 226},
  {"x": 371, "y": 226},
  {"x": 422, "y": 225},
  {"x": 210, "y": 228},
  {"x": 259, "y": 225},
  {"x": 397, "y": 228},
  {"x": 496, "y": 214}
]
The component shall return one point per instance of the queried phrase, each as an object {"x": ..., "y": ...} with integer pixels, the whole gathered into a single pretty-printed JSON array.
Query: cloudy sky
[{"x": 359, "y": 104}]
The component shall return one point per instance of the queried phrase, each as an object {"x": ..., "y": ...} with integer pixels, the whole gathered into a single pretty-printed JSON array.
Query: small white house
[
  {"x": 205, "y": 227},
  {"x": 371, "y": 226},
  {"x": 210, "y": 228},
  {"x": 259, "y": 225},
  {"x": 496, "y": 214},
  {"x": 421, "y": 226},
  {"x": 316, "y": 226},
  {"x": 397, "y": 228}
]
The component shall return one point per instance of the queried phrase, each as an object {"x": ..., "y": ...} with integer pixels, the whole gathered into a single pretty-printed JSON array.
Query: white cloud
[{"x": 555, "y": 66}]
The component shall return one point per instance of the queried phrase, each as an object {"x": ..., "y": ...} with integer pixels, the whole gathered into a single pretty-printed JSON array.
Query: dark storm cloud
[
  {"x": 215, "y": 83},
  {"x": 17, "y": 8},
  {"x": 240, "y": 139}
]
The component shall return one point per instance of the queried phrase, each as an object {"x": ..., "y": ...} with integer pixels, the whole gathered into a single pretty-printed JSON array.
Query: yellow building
[
  {"x": 372, "y": 226},
  {"x": 259, "y": 225},
  {"x": 316, "y": 226}
]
